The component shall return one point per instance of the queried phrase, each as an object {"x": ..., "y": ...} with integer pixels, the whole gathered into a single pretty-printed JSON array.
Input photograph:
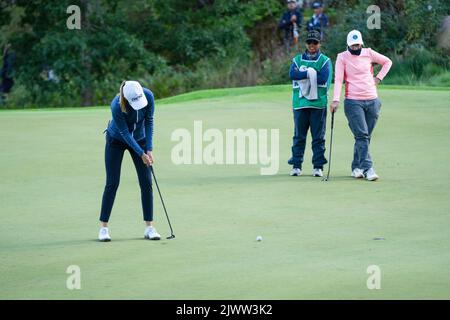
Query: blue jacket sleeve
[
  {"x": 310, "y": 25},
  {"x": 324, "y": 21},
  {"x": 284, "y": 21},
  {"x": 323, "y": 74},
  {"x": 299, "y": 18},
  {"x": 295, "y": 74},
  {"x": 148, "y": 122},
  {"x": 121, "y": 124}
]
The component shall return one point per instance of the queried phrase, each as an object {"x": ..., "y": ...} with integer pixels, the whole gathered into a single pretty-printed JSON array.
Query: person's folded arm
[
  {"x": 382, "y": 60},
  {"x": 121, "y": 124},
  {"x": 296, "y": 74},
  {"x": 324, "y": 21},
  {"x": 299, "y": 20},
  {"x": 310, "y": 24},
  {"x": 284, "y": 22},
  {"x": 323, "y": 74}
]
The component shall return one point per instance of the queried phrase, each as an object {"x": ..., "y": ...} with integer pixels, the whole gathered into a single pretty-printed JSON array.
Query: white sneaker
[
  {"x": 371, "y": 175},
  {"x": 296, "y": 172},
  {"x": 151, "y": 234},
  {"x": 103, "y": 235},
  {"x": 317, "y": 173},
  {"x": 357, "y": 173}
]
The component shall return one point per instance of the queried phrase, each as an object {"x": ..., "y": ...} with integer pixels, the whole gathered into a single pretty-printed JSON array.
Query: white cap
[
  {"x": 133, "y": 92},
  {"x": 354, "y": 37}
]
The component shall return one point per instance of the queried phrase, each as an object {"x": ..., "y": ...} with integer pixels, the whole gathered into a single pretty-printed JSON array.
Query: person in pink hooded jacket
[{"x": 362, "y": 105}]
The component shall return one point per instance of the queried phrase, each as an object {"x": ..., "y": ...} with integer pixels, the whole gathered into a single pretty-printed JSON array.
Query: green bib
[{"x": 298, "y": 100}]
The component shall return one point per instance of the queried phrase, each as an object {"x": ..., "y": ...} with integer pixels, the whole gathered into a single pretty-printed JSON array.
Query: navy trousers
[
  {"x": 305, "y": 119},
  {"x": 114, "y": 151}
]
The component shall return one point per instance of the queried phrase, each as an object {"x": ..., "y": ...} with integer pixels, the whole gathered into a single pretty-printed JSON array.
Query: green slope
[{"x": 317, "y": 236}]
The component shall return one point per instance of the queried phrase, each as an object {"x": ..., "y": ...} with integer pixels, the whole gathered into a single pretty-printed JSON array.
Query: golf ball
[{"x": 258, "y": 238}]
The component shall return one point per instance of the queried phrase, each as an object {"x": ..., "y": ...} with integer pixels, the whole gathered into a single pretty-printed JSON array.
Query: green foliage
[
  {"x": 407, "y": 35},
  {"x": 170, "y": 45},
  {"x": 419, "y": 66},
  {"x": 175, "y": 46},
  {"x": 442, "y": 80},
  {"x": 275, "y": 71}
]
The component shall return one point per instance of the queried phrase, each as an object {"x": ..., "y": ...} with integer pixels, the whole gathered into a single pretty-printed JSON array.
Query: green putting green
[{"x": 318, "y": 237}]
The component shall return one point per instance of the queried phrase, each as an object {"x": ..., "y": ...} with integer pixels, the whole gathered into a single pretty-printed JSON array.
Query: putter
[
  {"x": 172, "y": 236},
  {"x": 331, "y": 144}
]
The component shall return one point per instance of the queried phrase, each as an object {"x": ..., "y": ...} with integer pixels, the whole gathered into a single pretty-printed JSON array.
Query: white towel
[{"x": 308, "y": 86}]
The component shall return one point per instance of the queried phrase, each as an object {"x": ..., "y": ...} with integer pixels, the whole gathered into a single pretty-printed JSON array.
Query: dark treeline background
[{"x": 175, "y": 46}]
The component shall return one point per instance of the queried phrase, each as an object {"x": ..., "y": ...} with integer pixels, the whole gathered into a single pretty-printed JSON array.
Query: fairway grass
[{"x": 318, "y": 237}]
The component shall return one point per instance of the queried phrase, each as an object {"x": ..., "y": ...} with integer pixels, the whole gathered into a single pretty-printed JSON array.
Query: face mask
[
  {"x": 355, "y": 52},
  {"x": 311, "y": 55}
]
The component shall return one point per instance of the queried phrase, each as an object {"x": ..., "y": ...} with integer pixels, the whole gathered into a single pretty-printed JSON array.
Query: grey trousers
[{"x": 362, "y": 116}]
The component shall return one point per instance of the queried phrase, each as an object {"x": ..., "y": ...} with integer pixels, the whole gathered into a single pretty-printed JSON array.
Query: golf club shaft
[
  {"x": 331, "y": 145},
  {"x": 162, "y": 201}
]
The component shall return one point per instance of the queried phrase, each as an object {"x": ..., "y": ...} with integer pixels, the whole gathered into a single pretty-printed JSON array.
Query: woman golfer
[
  {"x": 361, "y": 105},
  {"x": 131, "y": 128}
]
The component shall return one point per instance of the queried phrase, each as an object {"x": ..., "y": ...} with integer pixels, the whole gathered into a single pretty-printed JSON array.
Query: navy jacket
[
  {"x": 322, "y": 75},
  {"x": 286, "y": 24},
  {"x": 134, "y": 125},
  {"x": 317, "y": 23}
]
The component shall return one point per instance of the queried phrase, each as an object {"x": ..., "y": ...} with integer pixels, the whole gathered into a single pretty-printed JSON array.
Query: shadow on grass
[
  {"x": 242, "y": 179},
  {"x": 142, "y": 239},
  {"x": 78, "y": 242}
]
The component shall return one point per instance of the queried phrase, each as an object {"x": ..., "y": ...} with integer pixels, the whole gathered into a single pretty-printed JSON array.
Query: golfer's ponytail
[{"x": 123, "y": 101}]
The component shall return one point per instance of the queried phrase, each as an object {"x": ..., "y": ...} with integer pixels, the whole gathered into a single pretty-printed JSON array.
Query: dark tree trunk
[{"x": 86, "y": 90}]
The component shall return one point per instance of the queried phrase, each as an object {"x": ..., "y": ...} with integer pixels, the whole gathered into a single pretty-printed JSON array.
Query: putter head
[
  {"x": 325, "y": 179},
  {"x": 172, "y": 236}
]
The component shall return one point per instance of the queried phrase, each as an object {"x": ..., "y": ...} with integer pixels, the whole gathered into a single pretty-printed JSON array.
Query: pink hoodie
[{"x": 357, "y": 71}]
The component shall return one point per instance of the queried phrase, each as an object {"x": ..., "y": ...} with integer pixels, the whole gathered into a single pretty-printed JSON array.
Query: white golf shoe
[
  {"x": 357, "y": 173},
  {"x": 371, "y": 175},
  {"x": 151, "y": 234},
  {"x": 295, "y": 172},
  {"x": 103, "y": 235},
  {"x": 317, "y": 173}
]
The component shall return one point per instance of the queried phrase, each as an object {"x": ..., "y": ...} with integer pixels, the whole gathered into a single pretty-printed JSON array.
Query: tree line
[{"x": 175, "y": 46}]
